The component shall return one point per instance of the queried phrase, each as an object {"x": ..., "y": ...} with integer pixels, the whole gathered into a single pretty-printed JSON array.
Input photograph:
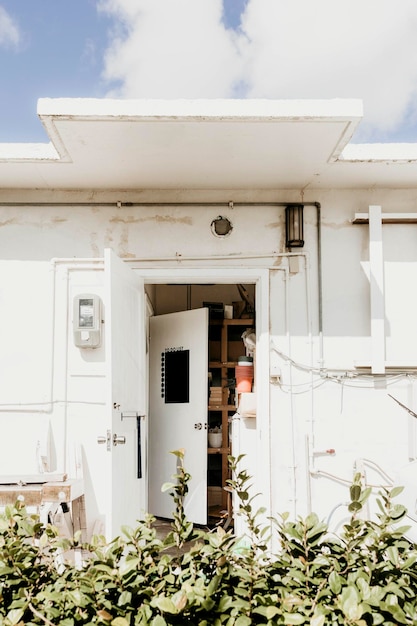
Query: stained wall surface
[{"x": 328, "y": 415}]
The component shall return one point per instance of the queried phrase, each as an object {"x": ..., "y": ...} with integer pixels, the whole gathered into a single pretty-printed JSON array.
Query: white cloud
[
  {"x": 172, "y": 49},
  {"x": 285, "y": 49},
  {"x": 335, "y": 48},
  {"x": 9, "y": 31}
]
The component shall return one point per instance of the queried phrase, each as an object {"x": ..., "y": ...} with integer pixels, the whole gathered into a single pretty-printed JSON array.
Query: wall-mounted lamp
[{"x": 294, "y": 226}]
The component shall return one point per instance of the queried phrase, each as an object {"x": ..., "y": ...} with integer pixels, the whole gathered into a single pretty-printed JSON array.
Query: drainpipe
[
  {"x": 293, "y": 467},
  {"x": 310, "y": 438},
  {"x": 319, "y": 285}
]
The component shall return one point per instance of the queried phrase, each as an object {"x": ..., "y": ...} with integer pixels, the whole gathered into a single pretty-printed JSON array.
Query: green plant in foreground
[
  {"x": 182, "y": 529},
  {"x": 365, "y": 577}
]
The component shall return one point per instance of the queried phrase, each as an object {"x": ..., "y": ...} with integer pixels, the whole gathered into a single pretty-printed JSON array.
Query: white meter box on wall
[{"x": 87, "y": 321}]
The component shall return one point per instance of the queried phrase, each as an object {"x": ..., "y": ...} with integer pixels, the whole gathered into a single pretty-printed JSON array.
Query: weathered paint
[{"x": 51, "y": 389}]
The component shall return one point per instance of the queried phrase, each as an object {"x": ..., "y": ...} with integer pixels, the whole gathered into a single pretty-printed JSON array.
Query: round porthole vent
[{"x": 221, "y": 226}]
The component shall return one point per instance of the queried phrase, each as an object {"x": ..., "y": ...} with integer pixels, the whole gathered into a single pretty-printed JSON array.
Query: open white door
[
  {"x": 126, "y": 395},
  {"x": 178, "y": 408}
]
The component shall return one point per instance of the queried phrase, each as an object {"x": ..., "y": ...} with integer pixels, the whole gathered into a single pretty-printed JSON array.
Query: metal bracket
[{"x": 131, "y": 414}]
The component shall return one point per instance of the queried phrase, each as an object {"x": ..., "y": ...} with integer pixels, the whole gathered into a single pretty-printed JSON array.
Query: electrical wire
[
  {"x": 345, "y": 481},
  {"x": 346, "y": 377},
  {"x": 378, "y": 468}
]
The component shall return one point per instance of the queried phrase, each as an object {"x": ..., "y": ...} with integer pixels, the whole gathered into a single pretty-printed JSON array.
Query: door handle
[
  {"x": 118, "y": 439},
  {"x": 107, "y": 440}
]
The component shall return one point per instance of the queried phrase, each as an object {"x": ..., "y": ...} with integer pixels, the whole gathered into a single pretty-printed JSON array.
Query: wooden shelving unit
[{"x": 225, "y": 345}]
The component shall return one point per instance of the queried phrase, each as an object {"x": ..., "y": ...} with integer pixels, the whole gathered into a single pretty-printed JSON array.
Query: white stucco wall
[{"x": 311, "y": 412}]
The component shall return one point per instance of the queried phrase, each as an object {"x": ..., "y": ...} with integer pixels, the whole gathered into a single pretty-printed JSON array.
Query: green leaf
[
  {"x": 243, "y": 620},
  {"x": 349, "y": 602},
  {"x": 120, "y": 621},
  {"x": 208, "y": 604},
  {"x": 364, "y": 588},
  {"x": 355, "y": 492},
  {"x": 178, "y": 453},
  {"x": 335, "y": 582},
  {"x": 213, "y": 585},
  {"x": 392, "y": 554},
  {"x": 167, "y": 486},
  {"x": 396, "y": 492},
  {"x": 311, "y": 520},
  {"x": 397, "y": 511},
  {"x": 267, "y": 611},
  {"x": 317, "y": 620},
  {"x": 124, "y": 599},
  {"x": 165, "y": 605},
  {"x": 14, "y": 616},
  {"x": 225, "y": 604},
  {"x": 294, "y": 618},
  {"x": 180, "y": 601},
  {"x": 272, "y": 611}
]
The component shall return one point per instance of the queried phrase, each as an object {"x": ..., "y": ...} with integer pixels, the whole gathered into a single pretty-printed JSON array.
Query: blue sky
[
  {"x": 210, "y": 49},
  {"x": 59, "y": 54}
]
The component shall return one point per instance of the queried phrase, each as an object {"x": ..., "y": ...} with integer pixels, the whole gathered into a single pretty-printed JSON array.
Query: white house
[{"x": 116, "y": 234}]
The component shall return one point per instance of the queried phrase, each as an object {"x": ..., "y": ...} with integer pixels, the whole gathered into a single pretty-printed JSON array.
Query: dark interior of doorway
[{"x": 231, "y": 315}]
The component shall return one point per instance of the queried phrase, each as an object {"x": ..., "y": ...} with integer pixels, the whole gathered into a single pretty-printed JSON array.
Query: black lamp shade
[{"x": 294, "y": 226}]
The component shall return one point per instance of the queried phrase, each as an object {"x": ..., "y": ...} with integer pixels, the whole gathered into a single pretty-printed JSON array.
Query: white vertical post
[{"x": 376, "y": 261}]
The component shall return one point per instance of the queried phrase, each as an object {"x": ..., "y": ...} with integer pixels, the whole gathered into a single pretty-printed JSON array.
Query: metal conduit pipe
[
  {"x": 293, "y": 468},
  {"x": 143, "y": 203}
]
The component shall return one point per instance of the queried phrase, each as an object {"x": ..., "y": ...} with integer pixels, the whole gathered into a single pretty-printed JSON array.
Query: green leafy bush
[{"x": 365, "y": 577}]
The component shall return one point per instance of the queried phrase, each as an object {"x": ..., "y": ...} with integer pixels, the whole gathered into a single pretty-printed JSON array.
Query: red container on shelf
[{"x": 244, "y": 374}]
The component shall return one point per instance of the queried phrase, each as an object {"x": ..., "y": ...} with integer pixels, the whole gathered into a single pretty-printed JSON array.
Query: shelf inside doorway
[
  {"x": 214, "y": 364},
  {"x": 226, "y": 346},
  {"x": 218, "y": 450},
  {"x": 241, "y": 321},
  {"x": 222, "y": 407}
]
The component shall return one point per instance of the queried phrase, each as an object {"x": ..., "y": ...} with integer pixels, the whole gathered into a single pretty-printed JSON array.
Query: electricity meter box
[{"x": 87, "y": 321}]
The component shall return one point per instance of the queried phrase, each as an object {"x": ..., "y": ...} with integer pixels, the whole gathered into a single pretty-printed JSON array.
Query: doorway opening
[{"x": 200, "y": 334}]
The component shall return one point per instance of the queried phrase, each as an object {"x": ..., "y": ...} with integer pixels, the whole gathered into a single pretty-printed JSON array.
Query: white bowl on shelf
[{"x": 215, "y": 440}]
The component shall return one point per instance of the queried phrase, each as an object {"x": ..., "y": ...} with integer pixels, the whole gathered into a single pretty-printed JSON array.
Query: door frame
[{"x": 260, "y": 278}]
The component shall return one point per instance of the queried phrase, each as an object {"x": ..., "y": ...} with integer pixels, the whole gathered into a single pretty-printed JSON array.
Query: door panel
[
  {"x": 125, "y": 359},
  {"x": 178, "y": 408}
]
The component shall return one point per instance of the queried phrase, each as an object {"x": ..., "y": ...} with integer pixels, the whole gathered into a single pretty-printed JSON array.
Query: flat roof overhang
[{"x": 202, "y": 144}]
